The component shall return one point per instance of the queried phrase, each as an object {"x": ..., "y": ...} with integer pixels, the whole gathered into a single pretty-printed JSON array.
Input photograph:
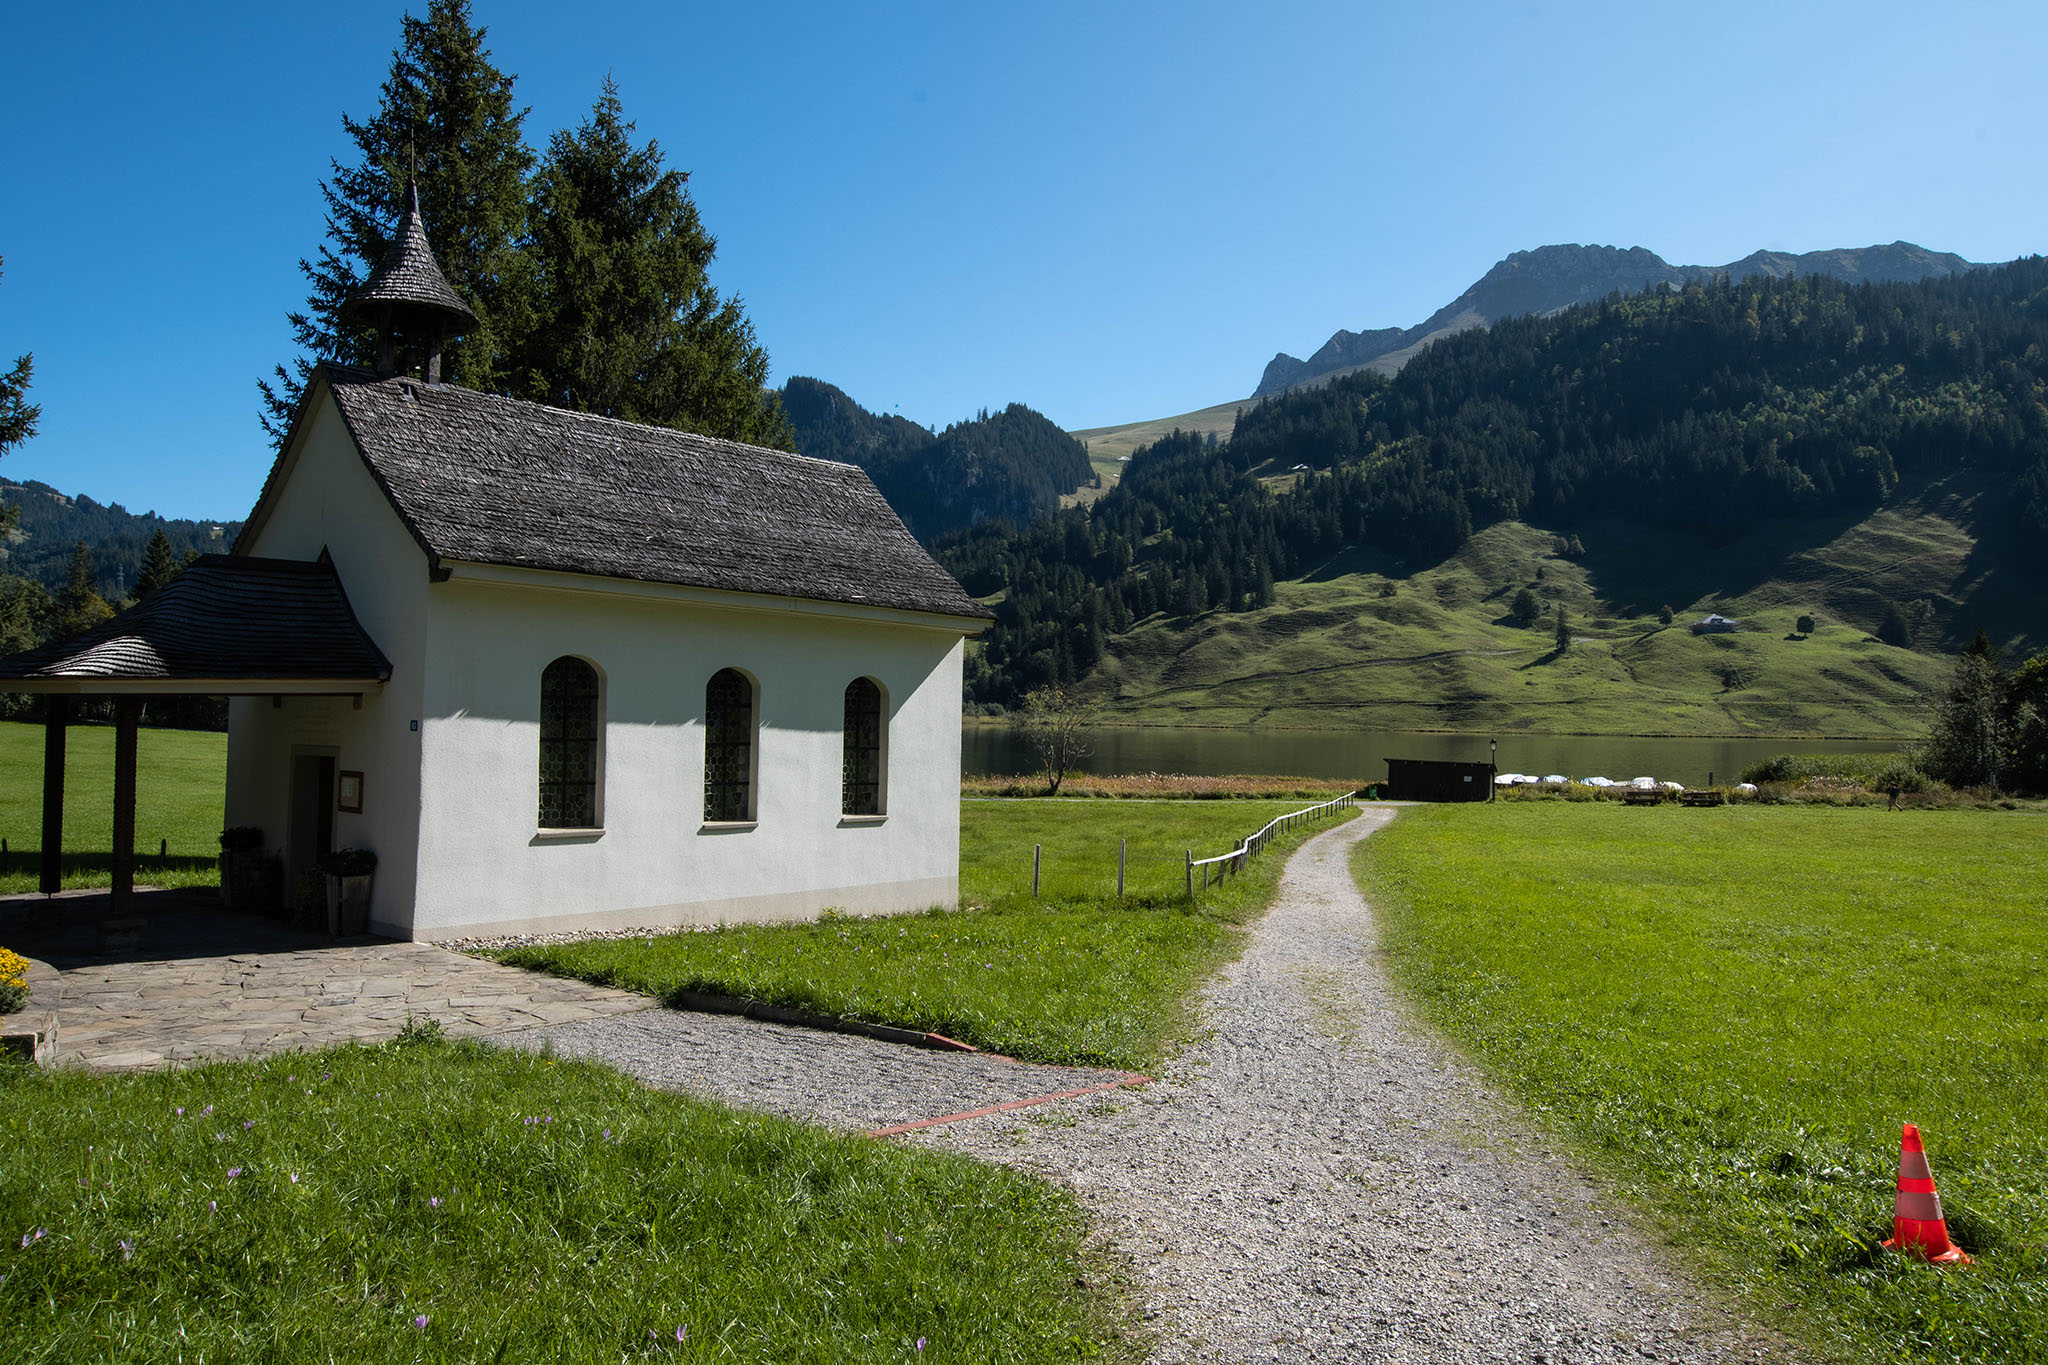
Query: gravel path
[
  {"x": 832, "y": 1078},
  {"x": 1320, "y": 1179},
  {"x": 1324, "y": 1180}
]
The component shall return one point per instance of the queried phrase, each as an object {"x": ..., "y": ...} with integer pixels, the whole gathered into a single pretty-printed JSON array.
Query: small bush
[
  {"x": 350, "y": 862},
  {"x": 1847, "y": 772},
  {"x": 240, "y": 838}
]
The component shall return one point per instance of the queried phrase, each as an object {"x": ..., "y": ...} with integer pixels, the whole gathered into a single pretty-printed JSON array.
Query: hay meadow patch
[{"x": 1733, "y": 1010}]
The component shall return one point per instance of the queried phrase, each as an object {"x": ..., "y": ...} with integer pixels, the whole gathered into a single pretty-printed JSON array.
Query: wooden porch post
[
  {"x": 127, "y": 714},
  {"x": 56, "y": 711}
]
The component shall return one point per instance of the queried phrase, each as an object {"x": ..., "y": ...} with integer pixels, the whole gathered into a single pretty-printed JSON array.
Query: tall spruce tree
[
  {"x": 626, "y": 322},
  {"x": 17, "y": 415},
  {"x": 446, "y": 110},
  {"x": 159, "y": 565}
]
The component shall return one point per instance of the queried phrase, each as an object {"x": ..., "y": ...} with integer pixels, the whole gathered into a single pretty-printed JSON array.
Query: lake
[{"x": 1360, "y": 755}]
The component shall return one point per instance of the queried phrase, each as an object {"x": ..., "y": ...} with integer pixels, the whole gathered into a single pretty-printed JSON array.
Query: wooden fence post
[
  {"x": 1035, "y": 851},
  {"x": 1122, "y": 846}
]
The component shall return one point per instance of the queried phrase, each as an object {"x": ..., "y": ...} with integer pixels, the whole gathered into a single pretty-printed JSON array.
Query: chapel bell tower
[{"x": 410, "y": 302}]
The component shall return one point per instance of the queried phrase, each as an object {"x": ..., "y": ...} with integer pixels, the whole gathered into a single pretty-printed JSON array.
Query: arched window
[
  {"x": 860, "y": 783},
  {"x": 729, "y": 746},
  {"x": 571, "y": 725}
]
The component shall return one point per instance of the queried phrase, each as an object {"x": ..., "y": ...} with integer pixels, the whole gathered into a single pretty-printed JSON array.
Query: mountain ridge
[{"x": 1549, "y": 279}]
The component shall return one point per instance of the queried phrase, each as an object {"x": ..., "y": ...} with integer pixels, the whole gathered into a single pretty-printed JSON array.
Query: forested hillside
[
  {"x": 1709, "y": 415},
  {"x": 52, "y": 526},
  {"x": 1012, "y": 464}
]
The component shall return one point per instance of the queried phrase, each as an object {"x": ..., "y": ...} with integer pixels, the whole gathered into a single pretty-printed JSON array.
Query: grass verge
[
  {"x": 1077, "y": 977},
  {"x": 180, "y": 782},
  {"x": 430, "y": 1201},
  {"x": 1160, "y": 786},
  {"x": 1733, "y": 1010}
]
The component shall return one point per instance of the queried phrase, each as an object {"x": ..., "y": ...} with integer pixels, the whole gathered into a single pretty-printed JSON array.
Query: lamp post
[{"x": 1492, "y": 767}]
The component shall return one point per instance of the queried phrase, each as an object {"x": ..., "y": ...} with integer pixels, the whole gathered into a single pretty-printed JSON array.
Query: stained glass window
[
  {"x": 860, "y": 784},
  {"x": 728, "y": 746},
  {"x": 569, "y": 730}
]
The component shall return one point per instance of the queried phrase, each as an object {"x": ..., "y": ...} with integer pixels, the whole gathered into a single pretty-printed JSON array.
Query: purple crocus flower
[
  {"x": 435, "y": 1202},
  {"x": 127, "y": 1249},
  {"x": 181, "y": 1111},
  {"x": 248, "y": 1124},
  {"x": 920, "y": 1343},
  {"x": 207, "y": 1110},
  {"x": 420, "y": 1323},
  {"x": 234, "y": 1172},
  {"x": 681, "y": 1332}
]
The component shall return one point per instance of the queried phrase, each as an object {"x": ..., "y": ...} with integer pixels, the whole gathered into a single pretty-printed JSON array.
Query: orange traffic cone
[{"x": 1917, "y": 1225}]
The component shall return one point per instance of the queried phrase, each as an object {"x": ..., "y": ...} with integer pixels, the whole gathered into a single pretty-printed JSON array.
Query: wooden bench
[
  {"x": 1702, "y": 798},
  {"x": 1642, "y": 796}
]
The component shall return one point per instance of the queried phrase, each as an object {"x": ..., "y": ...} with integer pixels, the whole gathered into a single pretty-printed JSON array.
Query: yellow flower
[{"x": 13, "y": 968}]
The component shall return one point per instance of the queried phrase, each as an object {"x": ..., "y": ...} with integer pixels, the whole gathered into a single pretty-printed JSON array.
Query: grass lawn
[
  {"x": 451, "y": 1202},
  {"x": 1733, "y": 1011},
  {"x": 1077, "y": 978},
  {"x": 180, "y": 782}
]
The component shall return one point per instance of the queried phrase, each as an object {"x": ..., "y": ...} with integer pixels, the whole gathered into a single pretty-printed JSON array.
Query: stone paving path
[{"x": 197, "y": 983}]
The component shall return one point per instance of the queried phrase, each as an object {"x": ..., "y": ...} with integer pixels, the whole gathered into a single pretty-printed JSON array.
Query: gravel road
[{"x": 1320, "y": 1179}]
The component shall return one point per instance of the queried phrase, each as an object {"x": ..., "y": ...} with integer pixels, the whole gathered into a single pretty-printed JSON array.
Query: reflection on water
[{"x": 1360, "y": 755}]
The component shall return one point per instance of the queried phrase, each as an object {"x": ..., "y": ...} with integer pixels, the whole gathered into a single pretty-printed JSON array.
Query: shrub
[
  {"x": 240, "y": 838},
  {"x": 350, "y": 862},
  {"x": 1804, "y": 625},
  {"x": 1840, "y": 772}
]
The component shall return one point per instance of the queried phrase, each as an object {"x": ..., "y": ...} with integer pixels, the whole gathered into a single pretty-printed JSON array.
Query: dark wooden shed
[{"x": 1428, "y": 779}]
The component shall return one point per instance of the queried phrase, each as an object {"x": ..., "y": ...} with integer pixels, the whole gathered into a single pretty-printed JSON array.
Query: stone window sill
[
  {"x": 727, "y": 826},
  {"x": 568, "y": 836},
  {"x": 846, "y": 820}
]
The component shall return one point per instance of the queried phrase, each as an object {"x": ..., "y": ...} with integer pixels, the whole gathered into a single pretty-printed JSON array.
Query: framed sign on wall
[{"x": 348, "y": 793}]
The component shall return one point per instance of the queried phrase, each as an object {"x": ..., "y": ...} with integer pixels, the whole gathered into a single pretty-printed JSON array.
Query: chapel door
[{"x": 312, "y": 819}]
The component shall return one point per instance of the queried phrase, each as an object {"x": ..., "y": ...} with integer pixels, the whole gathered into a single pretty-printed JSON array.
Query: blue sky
[{"x": 1108, "y": 211}]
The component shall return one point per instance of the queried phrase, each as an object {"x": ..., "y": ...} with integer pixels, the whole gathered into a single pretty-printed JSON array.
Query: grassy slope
[
  {"x": 1734, "y": 1010},
  {"x": 1077, "y": 978},
  {"x": 528, "y": 1210},
  {"x": 1442, "y": 654},
  {"x": 1106, "y": 443},
  {"x": 180, "y": 781}
]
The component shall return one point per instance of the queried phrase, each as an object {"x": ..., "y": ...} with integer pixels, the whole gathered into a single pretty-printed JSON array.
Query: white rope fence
[{"x": 1233, "y": 862}]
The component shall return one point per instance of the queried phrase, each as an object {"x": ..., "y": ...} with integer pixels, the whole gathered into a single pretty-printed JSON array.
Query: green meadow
[
  {"x": 1732, "y": 1011},
  {"x": 180, "y": 781},
  {"x": 1073, "y": 976},
  {"x": 434, "y": 1202}
]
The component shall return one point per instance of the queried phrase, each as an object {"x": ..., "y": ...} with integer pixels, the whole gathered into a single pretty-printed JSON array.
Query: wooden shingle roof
[
  {"x": 489, "y": 480},
  {"x": 263, "y": 623},
  {"x": 408, "y": 278}
]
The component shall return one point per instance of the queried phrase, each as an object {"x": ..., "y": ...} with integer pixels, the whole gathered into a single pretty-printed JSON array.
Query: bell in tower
[{"x": 409, "y": 302}]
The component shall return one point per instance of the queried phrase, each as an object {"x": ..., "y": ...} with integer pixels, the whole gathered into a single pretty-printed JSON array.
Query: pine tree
[
  {"x": 17, "y": 415},
  {"x": 448, "y": 111},
  {"x": 1564, "y": 633},
  {"x": 80, "y": 606},
  {"x": 626, "y": 321},
  {"x": 159, "y": 565}
]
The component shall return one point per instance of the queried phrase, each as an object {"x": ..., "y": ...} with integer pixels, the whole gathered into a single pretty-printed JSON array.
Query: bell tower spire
[{"x": 409, "y": 301}]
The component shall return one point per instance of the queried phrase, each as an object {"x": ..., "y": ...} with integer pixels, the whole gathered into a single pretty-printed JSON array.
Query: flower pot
[{"x": 348, "y": 905}]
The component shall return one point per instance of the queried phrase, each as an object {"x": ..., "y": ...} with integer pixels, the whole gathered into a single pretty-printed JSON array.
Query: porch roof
[{"x": 226, "y": 625}]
